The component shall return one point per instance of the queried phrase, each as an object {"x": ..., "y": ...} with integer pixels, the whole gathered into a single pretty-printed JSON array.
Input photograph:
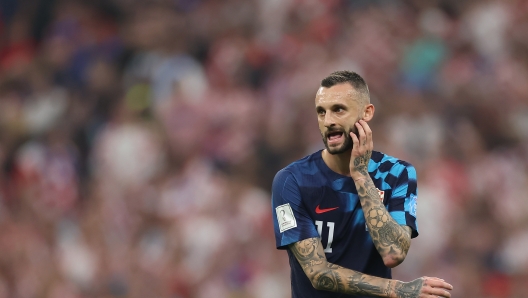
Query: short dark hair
[{"x": 345, "y": 76}]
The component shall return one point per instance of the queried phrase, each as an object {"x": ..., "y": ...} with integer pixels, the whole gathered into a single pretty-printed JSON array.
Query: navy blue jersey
[{"x": 310, "y": 200}]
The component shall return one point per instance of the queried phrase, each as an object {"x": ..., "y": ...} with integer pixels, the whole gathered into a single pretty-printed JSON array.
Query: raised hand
[{"x": 361, "y": 151}]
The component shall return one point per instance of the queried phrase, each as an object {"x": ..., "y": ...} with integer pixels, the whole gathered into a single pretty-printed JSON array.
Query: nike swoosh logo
[{"x": 319, "y": 210}]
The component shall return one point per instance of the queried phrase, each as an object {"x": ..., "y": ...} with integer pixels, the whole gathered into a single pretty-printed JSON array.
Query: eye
[{"x": 321, "y": 112}]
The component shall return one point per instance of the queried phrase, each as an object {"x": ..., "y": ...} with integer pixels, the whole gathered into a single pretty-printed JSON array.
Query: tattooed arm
[
  {"x": 331, "y": 277},
  {"x": 390, "y": 239}
]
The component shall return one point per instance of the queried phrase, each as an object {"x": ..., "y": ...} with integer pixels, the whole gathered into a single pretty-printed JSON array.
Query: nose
[{"x": 329, "y": 120}]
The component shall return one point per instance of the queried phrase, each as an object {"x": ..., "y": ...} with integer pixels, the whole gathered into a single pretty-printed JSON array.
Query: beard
[{"x": 347, "y": 144}]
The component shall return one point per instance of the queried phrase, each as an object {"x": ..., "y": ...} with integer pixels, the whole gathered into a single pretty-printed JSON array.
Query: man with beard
[{"x": 346, "y": 214}]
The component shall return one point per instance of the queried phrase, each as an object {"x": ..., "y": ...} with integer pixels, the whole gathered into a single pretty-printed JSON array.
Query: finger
[
  {"x": 361, "y": 132},
  {"x": 355, "y": 141},
  {"x": 368, "y": 131},
  {"x": 438, "y": 284},
  {"x": 428, "y": 279},
  {"x": 437, "y": 292}
]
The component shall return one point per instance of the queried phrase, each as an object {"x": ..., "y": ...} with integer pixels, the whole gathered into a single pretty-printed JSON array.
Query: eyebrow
[{"x": 336, "y": 105}]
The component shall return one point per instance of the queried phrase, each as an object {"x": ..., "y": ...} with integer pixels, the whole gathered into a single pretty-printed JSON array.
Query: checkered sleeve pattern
[{"x": 398, "y": 179}]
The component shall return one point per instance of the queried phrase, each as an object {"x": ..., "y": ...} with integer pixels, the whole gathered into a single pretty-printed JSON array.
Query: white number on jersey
[{"x": 330, "y": 226}]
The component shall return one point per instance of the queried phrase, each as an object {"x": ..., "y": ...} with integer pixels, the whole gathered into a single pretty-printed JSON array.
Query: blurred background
[{"x": 139, "y": 139}]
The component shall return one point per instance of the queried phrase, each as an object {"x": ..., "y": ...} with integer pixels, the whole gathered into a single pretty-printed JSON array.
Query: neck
[{"x": 339, "y": 163}]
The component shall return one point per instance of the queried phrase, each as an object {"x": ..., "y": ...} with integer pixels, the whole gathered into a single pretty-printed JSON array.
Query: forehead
[{"x": 338, "y": 94}]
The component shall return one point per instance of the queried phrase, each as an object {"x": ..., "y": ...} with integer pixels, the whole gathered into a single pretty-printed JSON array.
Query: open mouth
[{"x": 334, "y": 137}]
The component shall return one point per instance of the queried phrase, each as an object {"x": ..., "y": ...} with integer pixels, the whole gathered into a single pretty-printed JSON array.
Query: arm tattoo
[
  {"x": 387, "y": 235},
  {"x": 305, "y": 250},
  {"x": 306, "y": 253},
  {"x": 409, "y": 289},
  {"x": 361, "y": 163},
  {"x": 358, "y": 285},
  {"x": 330, "y": 280},
  {"x": 311, "y": 257},
  {"x": 331, "y": 277},
  {"x": 334, "y": 266}
]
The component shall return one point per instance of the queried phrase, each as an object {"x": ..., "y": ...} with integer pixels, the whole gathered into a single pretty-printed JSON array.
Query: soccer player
[{"x": 346, "y": 214}]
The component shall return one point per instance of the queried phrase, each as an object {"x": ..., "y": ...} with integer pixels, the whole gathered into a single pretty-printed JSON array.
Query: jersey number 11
[{"x": 330, "y": 226}]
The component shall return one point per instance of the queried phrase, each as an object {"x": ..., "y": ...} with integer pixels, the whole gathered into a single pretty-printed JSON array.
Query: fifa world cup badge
[{"x": 285, "y": 217}]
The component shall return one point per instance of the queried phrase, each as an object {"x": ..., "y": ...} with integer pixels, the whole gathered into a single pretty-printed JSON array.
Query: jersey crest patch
[
  {"x": 285, "y": 217},
  {"x": 381, "y": 194}
]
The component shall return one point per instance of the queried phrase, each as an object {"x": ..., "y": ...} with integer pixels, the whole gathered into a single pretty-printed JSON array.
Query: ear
[{"x": 368, "y": 112}]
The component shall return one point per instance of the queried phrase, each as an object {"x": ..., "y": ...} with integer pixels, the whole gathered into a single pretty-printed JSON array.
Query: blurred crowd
[{"x": 139, "y": 139}]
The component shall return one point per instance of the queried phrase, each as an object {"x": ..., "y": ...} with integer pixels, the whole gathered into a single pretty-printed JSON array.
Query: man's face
[{"x": 338, "y": 109}]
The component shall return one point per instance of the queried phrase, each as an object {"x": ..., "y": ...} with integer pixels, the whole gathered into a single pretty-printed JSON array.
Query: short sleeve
[
  {"x": 402, "y": 203},
  {"x": 291, "y": 221}
]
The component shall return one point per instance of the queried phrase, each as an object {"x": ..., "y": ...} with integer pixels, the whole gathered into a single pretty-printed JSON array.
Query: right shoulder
[
  {"x": 304, "y": 166},
  {"x": 297, "y": 181}
]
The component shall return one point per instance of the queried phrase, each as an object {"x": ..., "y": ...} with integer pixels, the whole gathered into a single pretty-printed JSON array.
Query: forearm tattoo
[
  {"x": 307, "y": 253},
  {"x": 358, "y": 284},
  {"x": 305, "y": 250},
  {"x": 388, "y": 236},
  {"x": 409, "y": 289},
  {"x": 361, "y": 163},
  {"x": 331, "y": 277},
  {"x": 329, "y": 280}
]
